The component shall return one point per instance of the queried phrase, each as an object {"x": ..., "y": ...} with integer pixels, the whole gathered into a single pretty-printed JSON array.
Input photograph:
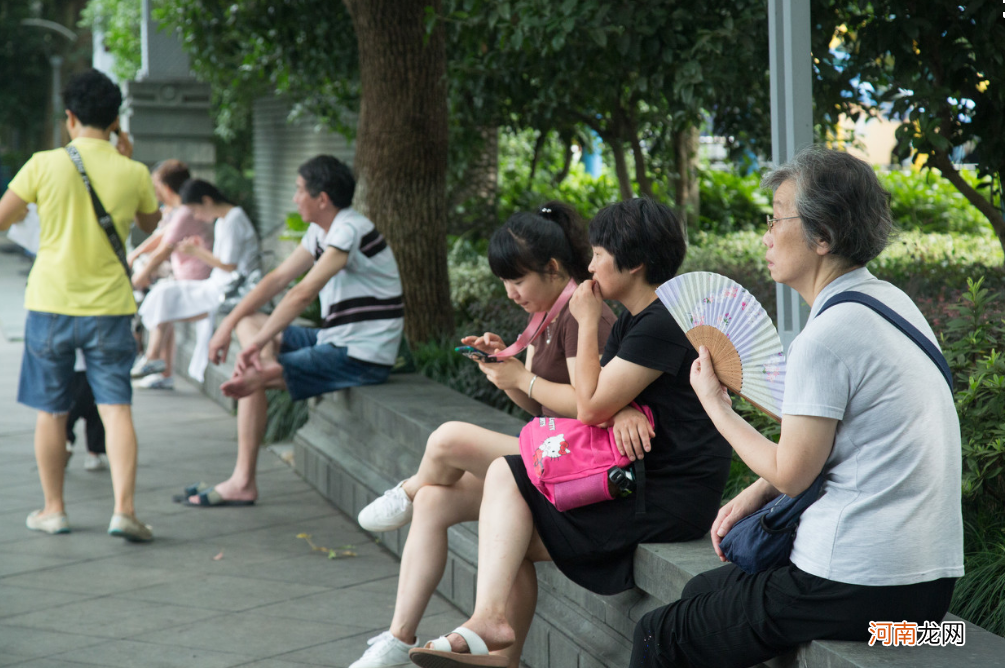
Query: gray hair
[{"x": 840, "y": 202}]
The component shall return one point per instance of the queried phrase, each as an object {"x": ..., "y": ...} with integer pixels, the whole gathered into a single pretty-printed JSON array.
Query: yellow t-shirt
[{"x": 76, "y": 271}]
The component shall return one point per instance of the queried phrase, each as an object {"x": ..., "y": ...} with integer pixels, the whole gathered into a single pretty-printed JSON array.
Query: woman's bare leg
[
  {"x": 167, "y": 349},
  {"x": 437, "y": 508},
  {"x": 456, "y": 447},
  {"x": 155, "y": 341},
  {"x": 506, "y": 540}
]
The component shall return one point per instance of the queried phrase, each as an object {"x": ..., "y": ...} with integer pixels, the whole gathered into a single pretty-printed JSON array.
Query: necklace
[{"x": 547, "y": 335}]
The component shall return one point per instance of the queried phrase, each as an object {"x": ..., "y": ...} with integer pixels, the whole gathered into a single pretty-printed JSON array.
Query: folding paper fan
[{"x": 723, "y": 316}]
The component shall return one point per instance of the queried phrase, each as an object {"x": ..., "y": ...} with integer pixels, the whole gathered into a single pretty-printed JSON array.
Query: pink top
[{"x": 180, "y": 225}]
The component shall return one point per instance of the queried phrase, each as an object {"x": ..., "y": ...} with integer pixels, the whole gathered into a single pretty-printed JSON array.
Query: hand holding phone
[{"x": 475, "y": 354}]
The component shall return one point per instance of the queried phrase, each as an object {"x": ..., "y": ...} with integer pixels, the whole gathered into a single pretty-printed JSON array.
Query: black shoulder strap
[
  {"x": 104, "y": 219},
  {"x": 897, "y": 321}
]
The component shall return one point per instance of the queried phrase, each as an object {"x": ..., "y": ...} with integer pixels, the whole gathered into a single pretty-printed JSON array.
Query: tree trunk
[
  {"x": 566, "y": 162},
  {"x": 941, "y": 161},
  {"x": 620, "y": 167},
  {"x": 686, "y": 189},
  {"x": 641, "y": 176},
  {"x": 401, "y": 151}
]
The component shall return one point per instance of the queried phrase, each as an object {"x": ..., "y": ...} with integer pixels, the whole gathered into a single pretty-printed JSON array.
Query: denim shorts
[
  {"x": 310, "y": 369},
  {"x": 50, "y": 344}
]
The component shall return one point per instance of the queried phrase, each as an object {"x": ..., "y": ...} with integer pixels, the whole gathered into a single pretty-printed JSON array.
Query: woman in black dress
[{"x": 637, "y": 245}]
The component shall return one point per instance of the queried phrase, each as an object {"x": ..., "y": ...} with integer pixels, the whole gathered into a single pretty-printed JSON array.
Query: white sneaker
[
  {"x": 137, "y": 365},
  {"x": 130, "y": 528},
  {"x": 391, "y": 511},
  {"x": 93, "y": 462},
  {"x": 52, "y": 524},
  {"x": 147, "y": 368},
  {"x": 385, "y": 650},
  {"x": 156, "y": 381}
]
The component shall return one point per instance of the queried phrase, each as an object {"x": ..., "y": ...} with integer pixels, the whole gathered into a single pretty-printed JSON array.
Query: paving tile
[
  {"x": 250, "y": 633},
  {"x": 223, "y": 592},
  {"x": 95, "y": 577},
  {"x": 12, "y": 563},
  {"x": 19, "y": 600},
  {"x": 133, "y": 654},
  {"x": 110, "y": 617},
  {"x": 359, "y": 605},
  {"x": 274, "y": 663},
  {"x": 370, "y": 564},
  {"x": 47, "y": 663},
  {"x": 35, "y": 643}
]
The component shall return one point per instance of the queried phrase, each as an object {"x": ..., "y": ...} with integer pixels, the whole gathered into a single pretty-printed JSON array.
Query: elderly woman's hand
[
  {"x": 509, "y": 374},
  {"x": 711, "y": 393},
  {"x": 632, "y": 432},
  {"x": 189, "y": 245},
  {"x": 587, "y": 303},
  {"x": 743, "y": 504}
]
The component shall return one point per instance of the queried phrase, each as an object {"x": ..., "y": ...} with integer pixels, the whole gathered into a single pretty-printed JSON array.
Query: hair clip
[{"x": 545, "y": 209}]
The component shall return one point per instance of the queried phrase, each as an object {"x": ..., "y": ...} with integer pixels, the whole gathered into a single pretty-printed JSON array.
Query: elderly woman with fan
[
  {"x": 637, "y": 245},
  {"x": 865, "y": 412}
]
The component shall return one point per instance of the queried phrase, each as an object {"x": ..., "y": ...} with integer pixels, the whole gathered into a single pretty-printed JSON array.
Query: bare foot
[
  {"x": 232, "y": 492},
  {"x": 242, "y": 385},
  {"x": 497, "y": 634}
]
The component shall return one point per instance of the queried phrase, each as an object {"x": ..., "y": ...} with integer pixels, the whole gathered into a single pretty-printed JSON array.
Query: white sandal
[{"x": 437, "y": 653}]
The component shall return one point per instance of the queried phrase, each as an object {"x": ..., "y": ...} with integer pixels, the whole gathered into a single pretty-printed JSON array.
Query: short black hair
[
  {"x": 528, "y": 242},
  {"x": 193, "y": 190},
  {"x": 641, "y": 232},
  {"x": 93, "y": 98},
  {"x": 326, "y": 173}
]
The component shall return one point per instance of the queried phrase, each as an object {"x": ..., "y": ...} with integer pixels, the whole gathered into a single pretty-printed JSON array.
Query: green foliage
[
  {"x": 929, "y": 203},
  {"x": 24, "y": 80},
  {"x": 972, "y": 342},
  {"x": 930, "y": 66},
  {"x": 730, "y": 202},
  {"x": 239, "y": 187},
  {"x": 979, "y": 596},
  {"x": 119, "y": 22},
  {"x": 283, "y": 416}
]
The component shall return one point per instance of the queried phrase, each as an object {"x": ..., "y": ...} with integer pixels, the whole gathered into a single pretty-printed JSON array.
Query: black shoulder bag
[
  {"x": 764, "y": 539},
  {"x": 104, "y": 219}
]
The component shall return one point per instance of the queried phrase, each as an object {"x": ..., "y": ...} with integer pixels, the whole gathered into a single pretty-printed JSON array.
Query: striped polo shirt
[{"x": 361, "y": 305}]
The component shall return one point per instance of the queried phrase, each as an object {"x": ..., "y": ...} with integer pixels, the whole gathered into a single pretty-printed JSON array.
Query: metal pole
[
  {"x": 791, "y": 120},
  {"x": 57, "y": 102}
]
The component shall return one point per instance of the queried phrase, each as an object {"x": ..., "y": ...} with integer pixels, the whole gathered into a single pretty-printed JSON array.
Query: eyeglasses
[{"x": 771, "y": 221}]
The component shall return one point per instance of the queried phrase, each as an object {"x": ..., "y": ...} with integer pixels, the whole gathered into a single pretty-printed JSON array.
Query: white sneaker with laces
[
  {"x": 391, "y": 511},
  {"x": 156, "y": 381},
  {"x": 93, "y": 462},
  {"x": 385, "y": 650},
  {"x": 147, "y": 368}
]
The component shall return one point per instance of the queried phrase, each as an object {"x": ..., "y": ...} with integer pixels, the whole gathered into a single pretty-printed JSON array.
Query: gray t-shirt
[{"x": 889, "y": 512}]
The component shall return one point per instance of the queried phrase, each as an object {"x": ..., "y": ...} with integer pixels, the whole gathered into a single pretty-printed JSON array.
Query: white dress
[{"x": 235, "y": 243}]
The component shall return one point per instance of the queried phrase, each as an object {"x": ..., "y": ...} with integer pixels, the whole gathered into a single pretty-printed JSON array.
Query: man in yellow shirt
[{"x": 79, "y": 296}]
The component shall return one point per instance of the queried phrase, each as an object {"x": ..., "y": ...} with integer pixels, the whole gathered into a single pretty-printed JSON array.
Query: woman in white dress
[{"x": 235, "y": 253}]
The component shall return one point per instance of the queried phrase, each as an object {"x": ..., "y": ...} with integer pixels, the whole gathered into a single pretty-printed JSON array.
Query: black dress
[{"x": 686, "y": 470}]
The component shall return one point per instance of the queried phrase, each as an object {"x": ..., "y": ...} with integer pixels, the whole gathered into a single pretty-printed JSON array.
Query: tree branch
[{"x": 941, "y": 161}]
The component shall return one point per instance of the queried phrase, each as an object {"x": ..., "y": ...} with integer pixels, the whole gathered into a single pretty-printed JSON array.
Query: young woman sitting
[
  {"x": 235, "y": 253},
  {"x": 535, "y": 255},
  {"x": 637, "y": 245}
]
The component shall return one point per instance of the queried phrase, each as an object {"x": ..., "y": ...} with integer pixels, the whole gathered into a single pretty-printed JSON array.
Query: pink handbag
[{"x": 568, "y": 461}]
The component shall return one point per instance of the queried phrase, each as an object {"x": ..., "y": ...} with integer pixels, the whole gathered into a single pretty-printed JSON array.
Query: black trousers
[
  {"x": 727, "y": 618},
  {"x": 83, "y": 406}
]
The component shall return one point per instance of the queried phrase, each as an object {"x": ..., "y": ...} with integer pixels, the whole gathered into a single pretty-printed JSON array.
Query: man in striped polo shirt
[{"x": 349, "y": 265}]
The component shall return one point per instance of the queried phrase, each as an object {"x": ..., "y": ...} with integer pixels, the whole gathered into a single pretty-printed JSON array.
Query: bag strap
[
  {"x": 104, "y": 219},
  {"x": 900, "y": 323},
  {"x": 538, "y": 322}
]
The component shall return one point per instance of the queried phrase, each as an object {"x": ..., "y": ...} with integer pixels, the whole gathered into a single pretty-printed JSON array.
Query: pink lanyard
[{"x": 538, "y": 322}]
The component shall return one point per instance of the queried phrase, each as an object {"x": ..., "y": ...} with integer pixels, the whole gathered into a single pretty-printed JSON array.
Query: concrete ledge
[{"x": 359, "y": 442}]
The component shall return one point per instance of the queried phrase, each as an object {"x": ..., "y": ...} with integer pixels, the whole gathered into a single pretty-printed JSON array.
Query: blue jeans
[
  {"x": 310, "y": 369},
  {"x": 50, "y": 344}
]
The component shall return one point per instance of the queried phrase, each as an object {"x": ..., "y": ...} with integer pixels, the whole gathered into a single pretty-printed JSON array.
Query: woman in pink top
[{"x": 178, "y": 224}]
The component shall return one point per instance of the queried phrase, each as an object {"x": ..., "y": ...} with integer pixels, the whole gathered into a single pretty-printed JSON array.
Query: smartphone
[{"x": 474, "y": 354}]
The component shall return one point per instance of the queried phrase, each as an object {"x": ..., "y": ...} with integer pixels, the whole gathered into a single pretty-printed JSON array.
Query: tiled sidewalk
[{"x": 268, "y": 601}]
